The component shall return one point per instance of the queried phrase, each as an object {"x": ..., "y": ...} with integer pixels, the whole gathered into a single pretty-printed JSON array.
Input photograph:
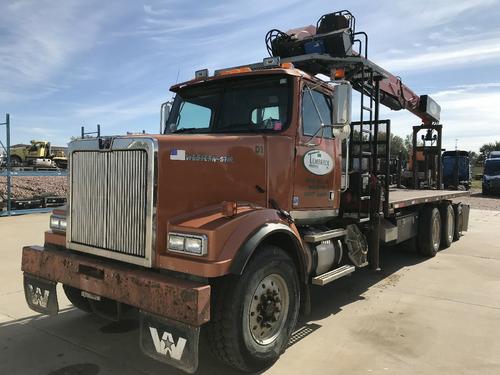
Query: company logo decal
[
  {"x": 318, "y": 162},
  {"x": 39, "y": 297},
  {"x": 182, "y": 155},
  {"x": 167, "y": 345}
]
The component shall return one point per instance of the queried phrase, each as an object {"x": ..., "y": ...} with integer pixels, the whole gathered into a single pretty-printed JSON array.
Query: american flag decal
[{"x": 177, "y": 154}]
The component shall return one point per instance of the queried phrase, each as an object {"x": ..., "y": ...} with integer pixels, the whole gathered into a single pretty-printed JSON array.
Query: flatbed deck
[{"x": 399, "y": 198}]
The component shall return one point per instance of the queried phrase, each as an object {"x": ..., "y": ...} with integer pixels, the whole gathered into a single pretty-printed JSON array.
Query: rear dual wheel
[
  {"x": 429, "y": 231},
  {"x": 437, "y": 228},
  {"x": 448, "y": 225}
]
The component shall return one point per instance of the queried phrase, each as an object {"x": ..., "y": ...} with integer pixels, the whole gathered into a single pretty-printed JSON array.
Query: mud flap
[
  {"x": 169, "y": 341},
  {"x": 41, "y": 295},
  {"x": 465, "y": 213}
]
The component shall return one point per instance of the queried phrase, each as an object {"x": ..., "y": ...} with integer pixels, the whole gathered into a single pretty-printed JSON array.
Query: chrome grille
[{"x": 110, "y": 198}]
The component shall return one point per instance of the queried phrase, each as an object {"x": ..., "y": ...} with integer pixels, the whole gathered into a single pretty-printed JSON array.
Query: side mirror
[
  {"x": 341, "y": 114},
  {"x": 164, "y": 113}
]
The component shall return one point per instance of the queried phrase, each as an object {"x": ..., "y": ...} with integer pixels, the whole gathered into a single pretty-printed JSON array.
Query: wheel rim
[
  {"x": 436, "y": 232},
  {"x": 268, "y": 309}
]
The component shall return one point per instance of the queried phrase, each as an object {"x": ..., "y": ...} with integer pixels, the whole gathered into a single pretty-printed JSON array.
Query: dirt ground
[{"x": 482, "y": 202}]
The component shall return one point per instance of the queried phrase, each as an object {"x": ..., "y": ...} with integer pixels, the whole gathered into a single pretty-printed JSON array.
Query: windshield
[
  {"x": 492, "y": 167},
  {"x": 232, "y": 106},
  {"x": 449, "y": 163}
]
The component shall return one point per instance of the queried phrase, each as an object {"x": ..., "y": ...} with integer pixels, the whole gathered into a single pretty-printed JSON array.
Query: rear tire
[
  {"x": 448, "y": 225},
  {"x": 253, "y": 315},
  {"x": 75, "y": 297},
  {"x": 459, "y": 218},
  {"x": 429, "y": 231}
]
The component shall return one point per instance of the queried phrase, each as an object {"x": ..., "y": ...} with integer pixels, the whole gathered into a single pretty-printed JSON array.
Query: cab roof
[{"x": 247, "y": 71}]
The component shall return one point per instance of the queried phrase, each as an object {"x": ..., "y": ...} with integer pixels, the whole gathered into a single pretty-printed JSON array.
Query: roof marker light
[
  {"x": 271, "y": 62},
  {"x": 201, "y": 74}
]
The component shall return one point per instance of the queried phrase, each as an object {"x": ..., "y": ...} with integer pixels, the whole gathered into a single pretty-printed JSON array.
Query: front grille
[{"x": 109, "y": 202}]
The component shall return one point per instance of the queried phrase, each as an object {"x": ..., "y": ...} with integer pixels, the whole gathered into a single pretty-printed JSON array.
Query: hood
[{"x": 197, "y": 171}]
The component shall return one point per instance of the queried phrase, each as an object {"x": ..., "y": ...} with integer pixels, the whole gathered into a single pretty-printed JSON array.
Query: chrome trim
[
  {"x": 58, "y": 229},
  {"x": 202, "y": 237},
  {"x": 313, "y": 216},
  {"x": 150, "y": 145},
  {"x": 323, "y": 236}
]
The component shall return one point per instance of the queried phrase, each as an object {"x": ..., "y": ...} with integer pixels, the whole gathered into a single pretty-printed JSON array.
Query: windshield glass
[
  {"x": 449, "y": 162},
  {"x": 492, "y": 167},
  {"x": 232, "y": 106}
]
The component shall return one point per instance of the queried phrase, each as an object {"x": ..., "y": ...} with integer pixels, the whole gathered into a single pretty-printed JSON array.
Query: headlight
[
  {"x": 176, "y": 243},
  {"x": 192, "y": 244},
  {"x": 57, "y": 223}
]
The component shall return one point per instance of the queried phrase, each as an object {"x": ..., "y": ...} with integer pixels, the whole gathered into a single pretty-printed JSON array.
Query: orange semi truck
[{"x": 258, "y": 188}]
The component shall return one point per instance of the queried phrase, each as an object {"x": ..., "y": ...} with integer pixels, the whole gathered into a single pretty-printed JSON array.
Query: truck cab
[
  {"x": 491, "y": 176},
  {"x": 457, "y": 171}
]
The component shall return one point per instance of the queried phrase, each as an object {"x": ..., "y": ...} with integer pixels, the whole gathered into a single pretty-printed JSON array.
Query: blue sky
[{"x": 71, "y": 63}]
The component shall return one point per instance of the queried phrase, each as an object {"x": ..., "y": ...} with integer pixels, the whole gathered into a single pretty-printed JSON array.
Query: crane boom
[{"x": 330, "y": 45}]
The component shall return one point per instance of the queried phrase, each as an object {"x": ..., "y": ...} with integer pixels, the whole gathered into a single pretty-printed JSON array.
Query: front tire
[
  {"x": 253, "y": 315},
  {"x": 75, "y": 297},
  {"x": 15, "y": 161},
  {"x": 429, "y": 231}
]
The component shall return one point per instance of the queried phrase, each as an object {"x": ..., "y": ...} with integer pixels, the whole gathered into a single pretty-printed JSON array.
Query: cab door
[{"x": 317, "y": 159}]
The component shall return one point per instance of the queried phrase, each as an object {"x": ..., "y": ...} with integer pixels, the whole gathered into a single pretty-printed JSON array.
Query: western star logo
[
  {"x": 167, "y": 345},
  {"x": 182, "y": 155},
  {"x": 39, "y": 297}
]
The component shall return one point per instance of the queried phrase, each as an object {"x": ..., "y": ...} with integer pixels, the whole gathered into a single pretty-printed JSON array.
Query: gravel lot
[
  {"x": 481, "y": 202},
  {"x": 30, "y": 187}
]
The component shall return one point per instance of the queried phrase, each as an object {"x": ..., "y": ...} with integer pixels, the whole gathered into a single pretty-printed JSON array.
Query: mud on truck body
[{"x": 259, "y": 187}]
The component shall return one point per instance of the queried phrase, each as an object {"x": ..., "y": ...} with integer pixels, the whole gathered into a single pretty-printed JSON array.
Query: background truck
[
  {"x": 457, "y": 170},
  {"x": 491, "y": 176},
  {"x": 37, "y": 154},
  {"x": 259, "y": 188}
]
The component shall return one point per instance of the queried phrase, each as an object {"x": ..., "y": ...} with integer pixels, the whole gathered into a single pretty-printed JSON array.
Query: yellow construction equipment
[{"x": 37, "y": 154}]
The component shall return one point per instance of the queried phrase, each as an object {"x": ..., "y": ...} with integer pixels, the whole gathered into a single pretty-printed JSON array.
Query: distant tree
[
  {"x": 486, "y": 149},
  {"x": 408, "y": 141},
  {"x": 398, "y": 145},
  {"x": 473, "y": 157}
]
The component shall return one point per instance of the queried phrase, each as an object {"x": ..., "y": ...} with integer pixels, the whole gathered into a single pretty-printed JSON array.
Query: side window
[
  {"x": 193, "y": 116},
  {"x": 316, "y": 108}
]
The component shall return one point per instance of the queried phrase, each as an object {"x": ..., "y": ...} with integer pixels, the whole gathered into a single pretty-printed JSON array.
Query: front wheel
[
  {"x": 75, "y": 297},
  {"x": 253, "y": 315}
]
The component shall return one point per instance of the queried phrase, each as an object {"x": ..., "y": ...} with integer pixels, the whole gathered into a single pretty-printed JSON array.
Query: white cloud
[
  {"x": 39, "y": 39},
  {"x": 468, "y": 115},
  {"x": 431, "y": 13},
  {"x": 456, "y": 55}
]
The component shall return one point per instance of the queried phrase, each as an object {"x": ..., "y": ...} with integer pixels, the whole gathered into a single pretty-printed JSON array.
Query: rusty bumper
[{"x": 181, "y": 300}]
